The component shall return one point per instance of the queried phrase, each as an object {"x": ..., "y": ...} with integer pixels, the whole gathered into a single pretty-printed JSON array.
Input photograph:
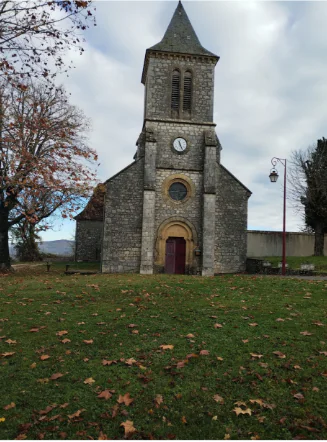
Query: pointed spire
[{"x": 180, "y": 36}]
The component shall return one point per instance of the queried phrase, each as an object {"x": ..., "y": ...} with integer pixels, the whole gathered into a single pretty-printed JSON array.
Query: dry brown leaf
[
  {"x": 128, "y": 427},
  {"x": 132, "y": 325},
  {"x": 130, "y": 361},
  {"x": 11, "y": 342},
  {"x": 34, "y": 330},
  {"x": 218, "y": 399},
  {"x": 135, "y": 332},
  {"x": 47, "y": 409},
  {"x": 103, "y": 436},
  {"x": 218, "y": 326},
  {"x": 76, "y": 414},
  {"x": 315, "y": 389},
  {"x": 62, "y": 333},
  {"x": 56, "y": 376},
  {"x": 204, "y": 352},
  {"x": 89, "y": 381},
  {"x": 44, "y": 357},
  {"x": 9, "y": 406},
  {"x": 323, "y": 353},
  {"x": 253, "y": 324},
  {"x": 105, "y": 362},
  {"x": 227, "y": 436},
  {"x": 219, "y": 358},
  {"x": 306, "y": 333},
  {"x": 166, "y": 347},
  {"x": 298, "y": 396},
  {"x": 239, "y": 411},
  {"x": 184, "y": 421},
  {"x": 105, "y": 394},
  {"x": 190, "y": 336},
  {"x": 90, "y": 341},
  {"x": 158, "y": 400},
  {"x": 126, "y": 399},
  {"x": 257, "y": 401},
  {"x": 256, "y": 356},
  {"x": 263, "y": 364},
  {"x": 33, "y": 365},
  {"x": 319, "y": 323},
  {"x": 7, "y": 354},
  {"x": 192, "y": 355},
  {"x": 279, "y": 354},
  {"x": 280, "y": 320},
  {"x": 65, "y": 341},
  {"x": 245, "y": 341}
]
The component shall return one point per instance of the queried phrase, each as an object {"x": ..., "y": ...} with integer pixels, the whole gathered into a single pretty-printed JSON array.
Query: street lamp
[{"x": 273, "y": 178}]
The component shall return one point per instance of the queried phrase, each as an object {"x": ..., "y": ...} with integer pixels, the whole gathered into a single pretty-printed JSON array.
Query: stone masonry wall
[
  {"x": 190, "y": 210},
  {"x": 123, "y": 220},
  {"x": 167, "y": 158},
  {"x": 88, "y": 240},
  {"x": 158, "y": 86},
  {"x": 231, "y": 224}
]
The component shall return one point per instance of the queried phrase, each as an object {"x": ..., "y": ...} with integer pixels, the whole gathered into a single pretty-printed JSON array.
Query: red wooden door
[{"x": 175, "y": 255}]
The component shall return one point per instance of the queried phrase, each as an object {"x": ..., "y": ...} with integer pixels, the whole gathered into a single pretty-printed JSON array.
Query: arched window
[
  {"x": 187, "y": 96},
  {"x": 175, "y": 90}
]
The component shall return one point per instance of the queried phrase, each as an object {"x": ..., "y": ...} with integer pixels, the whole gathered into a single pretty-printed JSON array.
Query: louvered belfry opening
[
  {"x": 187, "y": 96},
  {"x": 175, "y": 93}
]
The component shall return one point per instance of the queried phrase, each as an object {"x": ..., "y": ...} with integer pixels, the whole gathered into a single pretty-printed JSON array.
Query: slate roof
[
  {"x": 94, "y": 208},
  {"x": 180, "y": 36}
]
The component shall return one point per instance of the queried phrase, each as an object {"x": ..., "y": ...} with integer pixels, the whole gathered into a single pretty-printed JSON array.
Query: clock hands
[{"x": 180, "y": 145}]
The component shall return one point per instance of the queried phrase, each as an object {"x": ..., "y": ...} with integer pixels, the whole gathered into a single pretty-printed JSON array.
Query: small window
[
  {"x": 178, "y": 191},
  {"x": 187, "y": 99},
  {"x": 175, "y": 90}
]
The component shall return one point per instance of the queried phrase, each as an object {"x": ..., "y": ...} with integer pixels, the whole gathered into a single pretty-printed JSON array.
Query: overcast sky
[{"x": 270, "y": 87}]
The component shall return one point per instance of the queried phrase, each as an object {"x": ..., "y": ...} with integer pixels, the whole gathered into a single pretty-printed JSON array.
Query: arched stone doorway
[{"x": 176, "y": 241}]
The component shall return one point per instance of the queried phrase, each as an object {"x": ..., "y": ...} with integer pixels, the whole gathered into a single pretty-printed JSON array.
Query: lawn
[
  {"x": 164, "y": 357},
  {"x": 295, "y": 262}
]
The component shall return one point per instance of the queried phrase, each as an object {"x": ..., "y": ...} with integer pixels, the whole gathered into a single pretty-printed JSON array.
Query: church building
[{"x": 176, "y": 208}]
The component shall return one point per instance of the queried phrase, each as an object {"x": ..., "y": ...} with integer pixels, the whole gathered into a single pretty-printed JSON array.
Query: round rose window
[{"x": 178, "y": 191}]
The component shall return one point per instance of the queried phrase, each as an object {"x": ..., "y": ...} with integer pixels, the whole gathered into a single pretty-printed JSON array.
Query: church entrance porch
[{"x": 175, "y": 256}]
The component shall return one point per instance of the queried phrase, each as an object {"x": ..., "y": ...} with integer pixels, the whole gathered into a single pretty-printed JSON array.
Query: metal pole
[{"x": 284, "y": 225}]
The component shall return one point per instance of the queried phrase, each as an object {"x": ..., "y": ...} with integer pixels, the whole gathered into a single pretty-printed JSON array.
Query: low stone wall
[{"x": 269, "y": 243}]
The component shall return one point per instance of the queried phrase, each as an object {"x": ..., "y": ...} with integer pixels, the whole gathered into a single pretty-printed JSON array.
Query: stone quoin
[{"x": 175, "y": 209}]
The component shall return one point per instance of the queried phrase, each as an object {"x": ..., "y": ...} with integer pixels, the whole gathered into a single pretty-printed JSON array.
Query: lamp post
[{"x": 273, "y": 178}]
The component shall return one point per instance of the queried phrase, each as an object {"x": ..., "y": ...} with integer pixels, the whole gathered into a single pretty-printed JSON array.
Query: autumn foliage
[{"x": 44, "y": 156}]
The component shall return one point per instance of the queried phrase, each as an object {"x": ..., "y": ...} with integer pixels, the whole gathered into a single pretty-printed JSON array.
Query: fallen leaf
[
  {"x": 256, "y": 356},
  {"x": 65, "y": 341},
  {"x": 47, "y": 409},
  {"x": 44, "y": 357},
  {"x": 90, "y": 341},
  {"x": 190, "y": 335},
  {"x": 239, "y": 411},
  {"x": 130, "y": 361},
  {"x": 33, "y": 365},
  {"x": 245, "y": 341},
  {"x": 135, "y": 332},
  {"x": 77, "y": 414},
  {"x": 61, "y": 333},
  {"x": 219, "y": 358},
  {"x": 34, "y": 330},
  {"x": 128, "y": 427},
  {"x": 89, "y": 381},
  {"x": 280, "y": 320},
  {"x": 126, "y": 399},
  {"x": 132, "y": 325},
  {"x": 315, "y": 389},
  {"x": 306, "y": 333},
  {"x": 257, "y": 401},
  {"x": 323, "y": 353},
  {"x": 227, "y": 436},
  {"x": 184, "y": 421},
  {"x": 204, "y": 352},
  {"x": 218, "y": 399},
  {"x": 253, "y": 324},
  {"x": 105, "y": 362},
  {"x": 7, "y": 354},
  {"x": 103, "y": 436},
  {"x": 10, "y": 341},
  {"x": 56, "y": 376},
  {"x": 279, "y": 354},
  {"x": 166, "y": 347},
  {"x": 105, "y": 394},
  {"x": 218, "y": 326},
  {"x": 192, "y": 355},
  {"x": 298, "y": 396},
  {"x": 158, "y": 400},
  {"x": 11, "y": 405},
  {"x": 318, "y": 323}
]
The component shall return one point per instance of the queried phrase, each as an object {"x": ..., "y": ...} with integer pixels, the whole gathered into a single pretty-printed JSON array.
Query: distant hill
[{"x": 62, "y": 247}]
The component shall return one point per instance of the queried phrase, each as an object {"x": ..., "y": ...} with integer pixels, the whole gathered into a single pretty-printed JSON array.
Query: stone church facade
[{"x": 176, "y": 208}]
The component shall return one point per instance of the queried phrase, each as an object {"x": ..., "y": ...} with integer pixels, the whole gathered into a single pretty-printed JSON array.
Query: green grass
[
  {"x": 295, "y": 262},
  {"x": 164, "y": 310}
]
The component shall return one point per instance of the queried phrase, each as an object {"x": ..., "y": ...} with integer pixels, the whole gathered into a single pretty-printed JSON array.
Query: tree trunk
[
  {"x": 319, "y": 239},
  {"x": 4, "y": 241}
]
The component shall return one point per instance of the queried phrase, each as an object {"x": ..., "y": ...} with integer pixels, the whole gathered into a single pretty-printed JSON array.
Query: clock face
[{"x": 180, "y": 144}]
